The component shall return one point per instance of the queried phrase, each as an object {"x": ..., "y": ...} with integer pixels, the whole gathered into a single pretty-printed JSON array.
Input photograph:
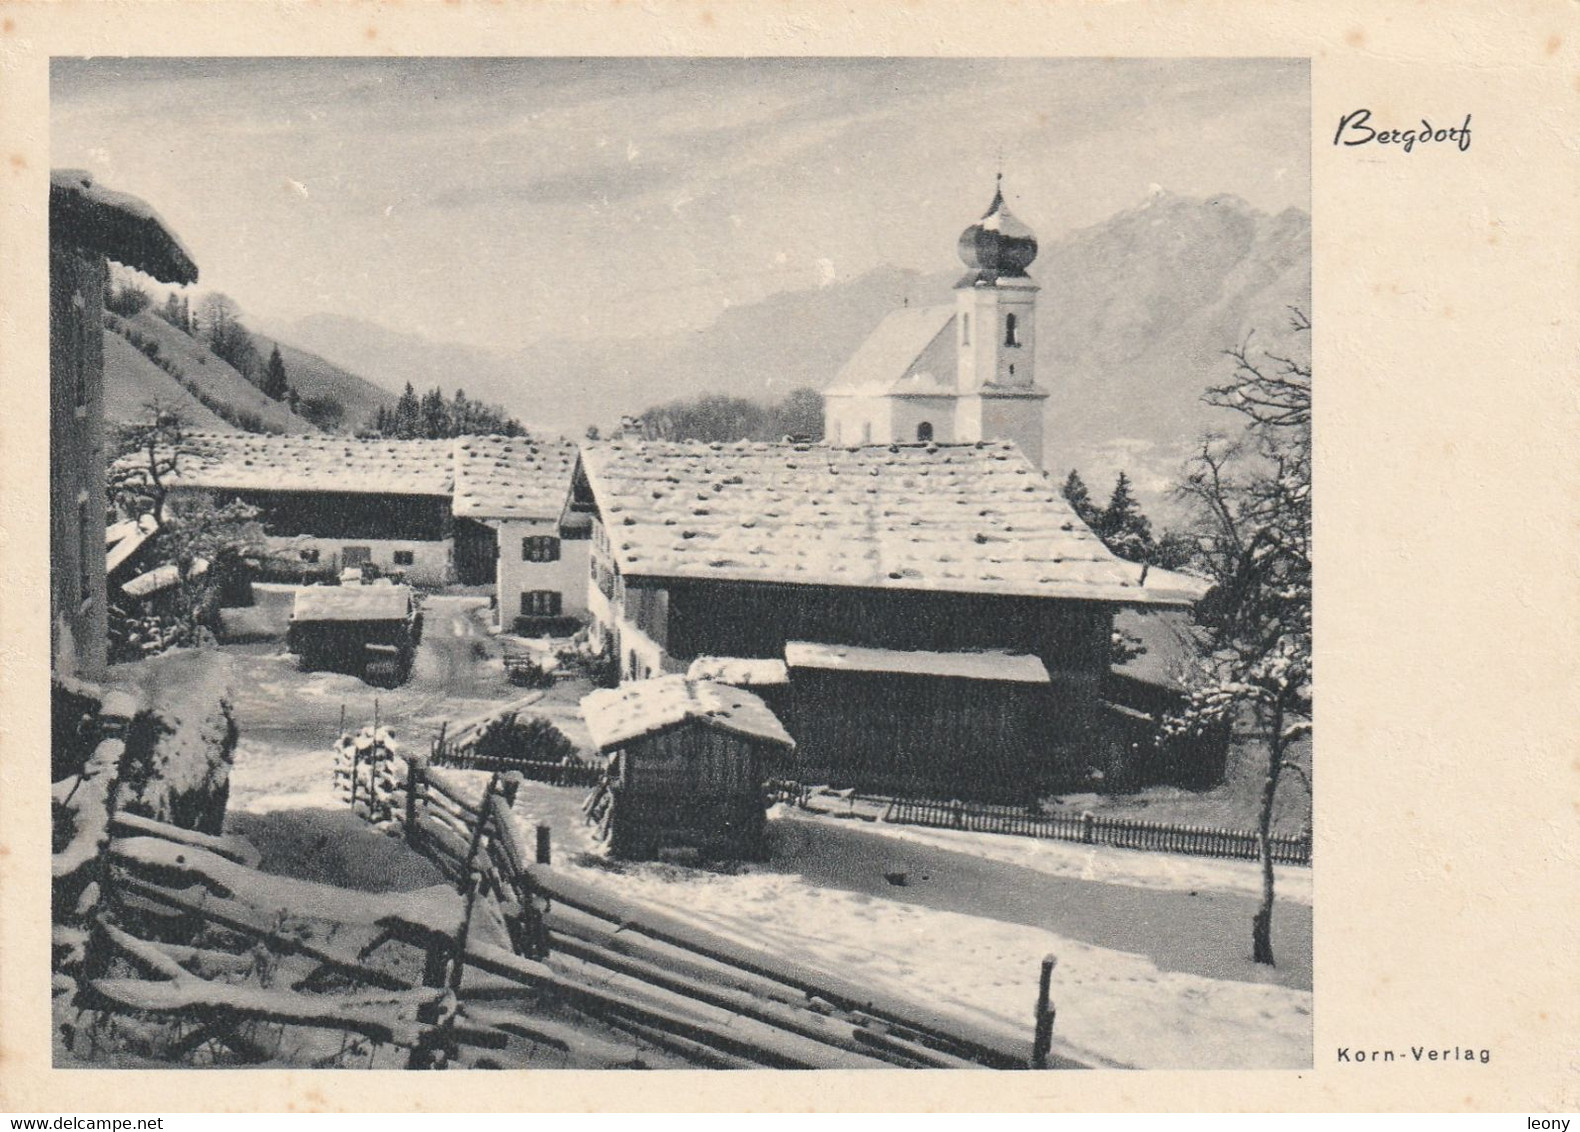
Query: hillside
[
  {"x": 314, "y": 376},
  {"x": 216, "y": 383},
  {"x": 1133, "y": 319},
  {"x": 132, "y": 383}
]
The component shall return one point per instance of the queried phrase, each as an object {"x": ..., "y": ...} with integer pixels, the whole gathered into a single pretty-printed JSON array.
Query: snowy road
[{"x": 1201, "y": 932}]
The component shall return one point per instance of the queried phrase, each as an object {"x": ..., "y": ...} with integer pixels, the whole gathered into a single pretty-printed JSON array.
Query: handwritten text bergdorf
[{"x": 1355, "y": 129}]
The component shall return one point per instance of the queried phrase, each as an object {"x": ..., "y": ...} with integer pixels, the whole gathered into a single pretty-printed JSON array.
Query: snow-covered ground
[
  {"x": 1115, "y": 1007},
  {"x": 1153, "y": 966}
]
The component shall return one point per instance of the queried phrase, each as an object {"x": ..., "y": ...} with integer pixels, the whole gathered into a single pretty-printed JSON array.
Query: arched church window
[
  {"x": 866, "y": 432},
  {"x": 1011, "y": 336},
  {"x": 924, "y": 431},
  {"x": 965, "y": 330}
]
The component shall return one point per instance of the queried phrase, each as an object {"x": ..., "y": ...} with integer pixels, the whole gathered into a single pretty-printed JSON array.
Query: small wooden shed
[
  {"x": 686, "y": 765},
  {"x": 368, "y": 631}
]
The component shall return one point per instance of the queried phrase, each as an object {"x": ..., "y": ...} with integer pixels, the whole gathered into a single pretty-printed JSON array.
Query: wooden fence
[
  {"x": 1094, "y": 829},
  {"x": 553, "y": 774},
  {"x": 660, "y": 978}
]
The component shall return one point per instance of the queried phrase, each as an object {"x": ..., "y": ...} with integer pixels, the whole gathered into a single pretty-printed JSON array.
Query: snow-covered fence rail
[
  {"x": 704, "y": 998},
  {"x": 1094, "y": 829}
]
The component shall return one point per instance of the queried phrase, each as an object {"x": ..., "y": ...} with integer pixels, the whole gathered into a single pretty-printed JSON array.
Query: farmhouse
[
  {"x": 952, "y": 568},
  {"x": 479, "y": 510},
  {"x": 509, "y": 493},
  {"x": 687, "y": 765},
  {"x": 88, "y": 225}
]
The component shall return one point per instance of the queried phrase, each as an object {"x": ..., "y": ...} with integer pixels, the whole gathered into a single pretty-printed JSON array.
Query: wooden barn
[
  {"x": 334, "y": 502},
  {"x": 940, "y": 724},
  {"x": 738, "y": 550},
  {"x": 88, "y": 225},
  {"x": 686, "y": 765},
  {"x": 367, "y": 631}
]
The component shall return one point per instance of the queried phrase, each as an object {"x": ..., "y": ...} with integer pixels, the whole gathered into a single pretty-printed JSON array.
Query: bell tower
[{"x": 996, "y": 328}]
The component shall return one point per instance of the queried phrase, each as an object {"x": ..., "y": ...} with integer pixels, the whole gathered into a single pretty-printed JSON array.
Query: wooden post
[
  {"x": 543, "y": 853},
  {"x": 1042, "y": 1043},
  {"x": 414, "y": 788}
]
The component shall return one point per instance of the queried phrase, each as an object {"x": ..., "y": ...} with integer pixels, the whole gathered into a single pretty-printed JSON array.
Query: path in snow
[{"x": 1201, "y": 931}]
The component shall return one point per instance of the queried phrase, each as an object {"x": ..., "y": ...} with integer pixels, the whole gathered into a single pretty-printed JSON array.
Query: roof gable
[
  {"x": 967, "y": 518},
  {"x": 615, "y": 716},
  {"x": 505, "y": 477},
  {"x": 913, "y": 349}
]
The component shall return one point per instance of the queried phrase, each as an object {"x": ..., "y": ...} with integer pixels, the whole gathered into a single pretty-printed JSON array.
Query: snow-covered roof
[
  {"x": 615, "y": 716},
  {"x": 161, "y": 578},
  {"x": 962, "y": 518},
  {"x": 740, "y": 671},
  {"x": 117, "y": 226},
  {"x": 1171, "y": 644},
  {"x": 912, "y": 351},
  {"x": 504, "y": 477},
  {"x": 241, "y": 461},
  {"x": 984, "y": 664},
  {"x": 351, "y": 603},
  {"x": 123, "y": 539}
]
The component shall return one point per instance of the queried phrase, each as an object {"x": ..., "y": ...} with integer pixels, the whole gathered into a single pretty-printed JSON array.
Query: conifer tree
[
  {"x": 275, "y": 382},
  {"x": 1079, "y": 498},
  {"x": 1122, "y": 526},
  {"x": 407, "y": 410}
]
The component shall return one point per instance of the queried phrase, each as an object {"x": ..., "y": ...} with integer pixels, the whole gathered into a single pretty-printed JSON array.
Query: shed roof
[
  {"x": 124, "y": 539},
  {"x": 352, "y": 603},
  {"x": 986, "y": 664},
  {"x": 740, "y": 671},
  {"x": 964, "y": 518},
  {"x": 242, "y": 461},
  {"x": 505, "y": 477},
  {"x": 615, "y": 716},
  {"x": 117, "y": 226},
  {"x": 912, "y": 349}
]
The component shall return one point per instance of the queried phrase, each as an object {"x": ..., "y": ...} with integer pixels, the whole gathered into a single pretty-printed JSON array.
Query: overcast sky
[{"x": 496, "y": 202}]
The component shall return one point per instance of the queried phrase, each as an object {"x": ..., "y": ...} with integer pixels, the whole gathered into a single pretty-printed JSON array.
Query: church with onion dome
[{"x": 959, "y": 372}]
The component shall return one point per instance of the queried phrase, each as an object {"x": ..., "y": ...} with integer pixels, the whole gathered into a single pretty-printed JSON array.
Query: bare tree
[{"x": 1251, "y": 499}]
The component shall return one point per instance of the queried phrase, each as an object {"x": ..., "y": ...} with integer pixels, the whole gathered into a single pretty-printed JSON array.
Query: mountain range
[{"x": 1134, "y": 317}]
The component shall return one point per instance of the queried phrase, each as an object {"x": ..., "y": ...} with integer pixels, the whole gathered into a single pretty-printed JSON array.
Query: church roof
[
  {"x": 963, "y": 518},
  {"x": 911, "y": 351}
]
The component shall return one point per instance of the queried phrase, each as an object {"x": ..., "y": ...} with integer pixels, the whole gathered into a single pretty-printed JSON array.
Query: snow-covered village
[{"x": 665, "y": 563}]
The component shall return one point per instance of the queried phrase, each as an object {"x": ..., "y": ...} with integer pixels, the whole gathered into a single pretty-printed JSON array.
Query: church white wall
[
  {"x": 857, "y": 420},
  {"x": 908, "y": 412},
  {"x": 1014, "y": 418}
]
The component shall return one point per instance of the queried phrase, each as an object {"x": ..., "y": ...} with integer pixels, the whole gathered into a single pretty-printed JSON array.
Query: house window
[
  {"x": 84, "y": 550},
  {"x": 924, "y": 431},
  {"x": 540, "y": 603},
  {"x": 79, "y": 354},
  {"x": 540, "y": 548},
  {"x": 405, "y": 557},
  {"x": 1011, "y": 334},
  {"x": 309, "y": 554},
  {"x": 965, "y": 330}
]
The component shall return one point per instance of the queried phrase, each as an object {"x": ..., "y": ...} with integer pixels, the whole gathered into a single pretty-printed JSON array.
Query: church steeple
[
  {"x": 996, "y": 332},
  {"x": 998, "y": 244}
]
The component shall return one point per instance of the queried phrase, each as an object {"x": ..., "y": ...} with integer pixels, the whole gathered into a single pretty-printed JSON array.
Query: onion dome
[{"x": 998, "y": 244}]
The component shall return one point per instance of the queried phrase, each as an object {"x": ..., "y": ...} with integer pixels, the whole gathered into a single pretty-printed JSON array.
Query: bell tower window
[
  {"x": 924, "y": 431},
  {"x": 1011, "y": 333}
]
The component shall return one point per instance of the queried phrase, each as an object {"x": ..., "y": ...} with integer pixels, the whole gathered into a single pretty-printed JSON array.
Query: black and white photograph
[{"x": 681, "y": 563}]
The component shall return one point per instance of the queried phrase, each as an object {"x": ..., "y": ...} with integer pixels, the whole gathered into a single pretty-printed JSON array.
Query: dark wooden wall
[
  {"x": 932, "y": 736},
  {"x": 350, "y": 515},
  {"x": 76, "y": 457}
]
